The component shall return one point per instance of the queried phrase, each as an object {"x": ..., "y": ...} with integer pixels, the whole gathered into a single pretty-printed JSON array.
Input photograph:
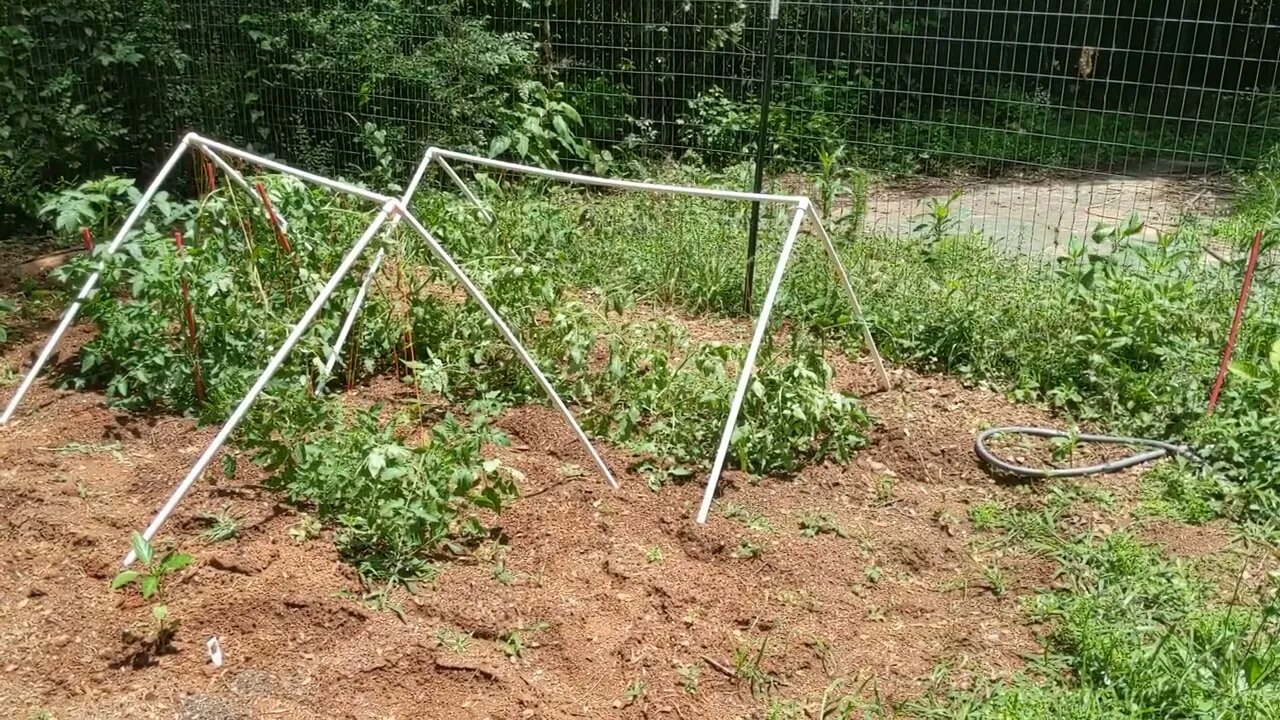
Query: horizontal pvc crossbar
[{"x": 613, "y": 182}]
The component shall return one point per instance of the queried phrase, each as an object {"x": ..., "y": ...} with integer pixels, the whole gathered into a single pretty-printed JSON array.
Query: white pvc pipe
[
  {"x": 289, "y": 170},
  {"x": 69, "y": 315},
  {"x": 748, "y": 365},
  {"x": 512, "y": 340},
  {"x": 349, "y": 321},
  {"x": 867, "y": 338},
  {"x": 357, "y": 303},
  {"x": 632, "y": 184},
  {"x": 276, "y": 361},
  {"x": 354, "y": 311},
  {"x": 239, "y": 180}
]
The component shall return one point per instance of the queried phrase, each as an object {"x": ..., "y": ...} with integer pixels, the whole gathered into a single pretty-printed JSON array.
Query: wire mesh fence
[{"x": 1050, "y": 116}]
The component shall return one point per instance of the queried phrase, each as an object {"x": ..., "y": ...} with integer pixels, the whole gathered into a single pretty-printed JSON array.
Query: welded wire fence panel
[{"x": 1049, "y": 116}]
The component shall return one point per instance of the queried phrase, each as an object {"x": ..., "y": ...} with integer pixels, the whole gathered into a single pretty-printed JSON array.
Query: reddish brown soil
[{"x": 602, "y": 614}]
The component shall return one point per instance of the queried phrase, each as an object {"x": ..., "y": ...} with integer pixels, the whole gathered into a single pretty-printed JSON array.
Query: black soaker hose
[{"x": 1161, "y": 450}]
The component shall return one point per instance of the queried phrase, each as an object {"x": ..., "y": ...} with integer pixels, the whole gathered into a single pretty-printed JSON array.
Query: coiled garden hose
[{"x": 1160, "y": 450}]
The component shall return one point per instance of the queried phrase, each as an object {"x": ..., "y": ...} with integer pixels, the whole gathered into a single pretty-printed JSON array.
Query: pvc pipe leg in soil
[
  {"x": 276, "y": 361},
  {"x": 867, "y": 338},
  {"x": 748, "y": 365},
  {"x": 488, "y": 216},
  {"x": 349, "y": 321},
  {"x": 238, "y": 179},
  {"x": 358, "y": 302},
  {"x": 72, "y": 310},
  {"x": 512, "y": 340}
]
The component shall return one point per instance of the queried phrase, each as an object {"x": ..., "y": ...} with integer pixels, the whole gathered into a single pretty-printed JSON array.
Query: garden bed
[{"x": 641, "y": 608}]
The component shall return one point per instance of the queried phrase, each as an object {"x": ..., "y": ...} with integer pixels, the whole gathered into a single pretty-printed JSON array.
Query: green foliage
[
  {"x": 307, "y": 528},
  {"x": 1113, "y": 333},
  {"x": 988, "y": 131},
  {"x": 813, "y": 524},
  {"x": 838, "y": 182},
  {"x": 220, "y": 526},
  {"x": 154, "y": 570},
  {"x": 102, "y": 84},
  {"x": 748, "y": 667},
  {"x": 454, "y": 640},
  {"x": 245, "y": 291},
  {"x": 674, "y": 411},
  {"x": 539, "y": 128},
  {"x": 655, "y": 391},
  {"x": 6, "y": 309},
  {"x": 323, "y": 62},
  {"x": 395, "y": 494},
  {"x": 81, "y": 82},
  {"x": 1134, "y": 635},
  {"x": 1125, "y": 331},
  {"x": 749, "y": 517},
  {"x": 150, "y": 582},
  {"x": 939, "y": 219}
]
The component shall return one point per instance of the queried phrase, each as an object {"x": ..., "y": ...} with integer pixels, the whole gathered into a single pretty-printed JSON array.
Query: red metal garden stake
[
  {"x": 1235, "y": 323},
  {"x": 87, "y": 236},
  {"x": 281, "y": 239},
  {"x": 190, "y": 314},
  {"x": 210, "y": 180}
]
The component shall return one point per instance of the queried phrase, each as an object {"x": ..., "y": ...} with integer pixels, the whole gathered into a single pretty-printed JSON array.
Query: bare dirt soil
[{"x": 622, "y": 606}]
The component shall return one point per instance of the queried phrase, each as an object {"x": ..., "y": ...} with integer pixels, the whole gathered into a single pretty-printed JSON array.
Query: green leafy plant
[
  {"x": 985, "y": 515},
  {"x": 149, "y": 580},
  {"x": 515, "y": 642},
  {"x": 378, "y": 599},
  {"x": 635, "y": 691},
  {"x": 938, "y": 219},
  {"x": 394, "y": 498},
  {"x": 6, "y": 309},
  {"x": 748, "y": 549},
  {"x": 749, "y": 517},
  {"x": 835, "y": 180},
  {"x": 502, "y": 574},
  {"x": 884, "y": 491},
  {"x": 689, "y": 676},
  {"x": 748, "y": 667},
  {"x": 307, "y": 528},
  {"x": 455, "y": 641},
  {"x": 1262, "y": 376},
  {"x": 995, "y": 580},
  {"x": 220, "y": 526},
  {"x": 873, "y": 573},
  {"x": 540, "y": 128},
  {"x": 813, "y": 524},
  {"x": 1064, "y": 448}
]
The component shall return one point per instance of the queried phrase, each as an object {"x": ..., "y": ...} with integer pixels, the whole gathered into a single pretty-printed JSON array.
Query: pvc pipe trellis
[
  {"x": 803, "y": 206},
  {"x": 391, "y": 212},
  {"x": 391, "y": 208}
]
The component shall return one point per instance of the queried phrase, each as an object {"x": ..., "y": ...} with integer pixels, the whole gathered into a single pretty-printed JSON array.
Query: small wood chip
[
  {"x": 458, "y": 664},
  {"x": 720, "y": 668}
]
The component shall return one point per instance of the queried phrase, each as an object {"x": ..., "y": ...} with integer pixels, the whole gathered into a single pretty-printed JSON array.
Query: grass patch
[{"x": 1133, "y": 633}]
